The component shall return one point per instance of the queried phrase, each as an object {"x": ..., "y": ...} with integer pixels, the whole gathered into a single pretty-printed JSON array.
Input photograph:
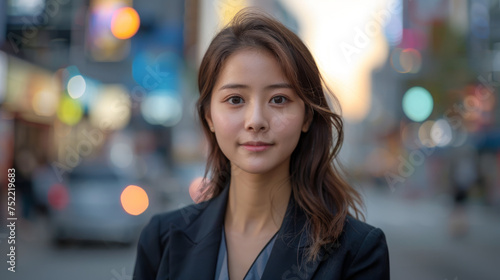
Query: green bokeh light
[{"x": 417, "y": 104}]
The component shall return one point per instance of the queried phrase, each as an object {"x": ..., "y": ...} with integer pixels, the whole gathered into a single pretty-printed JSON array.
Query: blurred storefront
[{"x": 73, "y": 67}]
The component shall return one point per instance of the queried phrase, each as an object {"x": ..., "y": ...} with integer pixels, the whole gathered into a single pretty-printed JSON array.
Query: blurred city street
[
  {"x": 99, "y": 127},
  {"x": 420, "y": 243}
]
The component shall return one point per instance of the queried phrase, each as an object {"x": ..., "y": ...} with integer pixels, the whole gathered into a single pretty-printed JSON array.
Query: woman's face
[{"x": 256, "y": 116}]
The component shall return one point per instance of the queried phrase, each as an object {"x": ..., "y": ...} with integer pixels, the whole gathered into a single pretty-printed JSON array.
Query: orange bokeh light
[
  {"x": 134, "y": 200},
  {"x": 125, "y": 23}
]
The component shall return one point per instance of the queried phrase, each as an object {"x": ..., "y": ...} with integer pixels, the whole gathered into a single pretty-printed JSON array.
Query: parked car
[{"x": 87, "y": 206}]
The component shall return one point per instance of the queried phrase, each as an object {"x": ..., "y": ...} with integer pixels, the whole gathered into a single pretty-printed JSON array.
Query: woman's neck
[{"x": 257, "y": 203}]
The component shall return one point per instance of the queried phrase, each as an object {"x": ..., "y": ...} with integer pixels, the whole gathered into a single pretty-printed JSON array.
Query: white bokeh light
[
  {"x": 76, "y": 86},
  {"x": 162, "y": 110},
  {"x": 441, "y": 133}
]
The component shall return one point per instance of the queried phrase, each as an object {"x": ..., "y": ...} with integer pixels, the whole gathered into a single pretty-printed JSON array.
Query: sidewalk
[{"x": 420, "y": 243}]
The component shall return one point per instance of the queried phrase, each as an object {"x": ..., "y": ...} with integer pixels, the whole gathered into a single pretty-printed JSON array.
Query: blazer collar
[
  {"x": 194, "y": 249},
  {"x": 287, "y": 259},
  {"x": 210, "y": 218}
]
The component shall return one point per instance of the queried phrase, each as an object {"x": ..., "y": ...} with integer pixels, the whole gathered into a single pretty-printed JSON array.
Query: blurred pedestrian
[{"x": 463, "y": 177}]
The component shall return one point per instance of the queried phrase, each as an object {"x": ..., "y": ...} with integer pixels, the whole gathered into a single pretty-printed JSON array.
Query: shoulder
[
  {"x": 161, "y": 223},
  {"x": 155, "y": 238},
  {"x": 357, "y": 232},
  {"x": 364, "y": 251}
]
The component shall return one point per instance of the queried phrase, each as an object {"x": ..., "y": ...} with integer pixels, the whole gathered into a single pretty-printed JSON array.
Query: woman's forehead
[{"x": 251, "y": 67}]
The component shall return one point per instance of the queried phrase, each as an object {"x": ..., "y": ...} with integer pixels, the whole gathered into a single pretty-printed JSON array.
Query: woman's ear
[
  {"x": 208, "y": 117},
  {"x": 307, "y": 121}
]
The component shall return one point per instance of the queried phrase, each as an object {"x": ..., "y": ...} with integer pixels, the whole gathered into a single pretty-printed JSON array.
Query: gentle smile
[{"x": 256, "y": 146}]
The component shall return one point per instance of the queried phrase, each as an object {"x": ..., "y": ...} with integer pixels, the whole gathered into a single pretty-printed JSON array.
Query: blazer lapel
[
  {"x": 287, "y": 259},
  {"x": 195, "y": 247}
]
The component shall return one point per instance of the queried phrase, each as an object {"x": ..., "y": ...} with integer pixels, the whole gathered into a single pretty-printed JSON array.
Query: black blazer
[{"x": 184, "y": 244}]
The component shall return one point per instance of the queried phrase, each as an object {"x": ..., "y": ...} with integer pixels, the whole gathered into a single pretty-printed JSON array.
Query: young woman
[{"x": 276, "y": 205}]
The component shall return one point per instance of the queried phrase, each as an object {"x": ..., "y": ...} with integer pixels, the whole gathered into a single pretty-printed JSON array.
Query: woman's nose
[{"x": 256, "y": 119}]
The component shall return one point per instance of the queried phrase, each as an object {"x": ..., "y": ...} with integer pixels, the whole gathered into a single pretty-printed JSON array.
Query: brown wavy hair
[{"x": 317, "y": 183}]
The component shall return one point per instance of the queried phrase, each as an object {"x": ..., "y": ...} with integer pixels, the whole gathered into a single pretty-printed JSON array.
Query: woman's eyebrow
[
  {"x": 241, "y": 86},
  {"x": 279, "y": 85},
  {"x": 233, "y": 86}
]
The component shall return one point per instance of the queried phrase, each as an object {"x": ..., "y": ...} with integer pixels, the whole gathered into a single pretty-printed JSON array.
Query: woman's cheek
[
  {"x": 220, "y": 116},
  {"x": 225, "y": 135},
  {"x": 286, "y": 123}
]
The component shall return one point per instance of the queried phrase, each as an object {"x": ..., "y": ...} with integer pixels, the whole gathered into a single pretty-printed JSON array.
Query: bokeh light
[
  {"x": 486, "y": 97},
  {"x": 69, "y": 112},
  {"x": 45, "y": 103},
  {"x": 111, "y": 109},
  {"x": 125, "y": 23},
  {"x": 394, "y": 28},
  {"x": 424, "y": 134},
  {"x": 441, "y": 133},
  {"x": 417, "y": 104},
  {"x": 134, "y": 200},
  {"x": 161, "y": 108},
  {"x": 406, "y": 61},
  {"x": 92, "y": 92},
  {"x": 109, "y": 23},
  {"x": 68, "y": 72},
  {"x": 76, "y": 86},
  {"x": 58, "y": 197}
]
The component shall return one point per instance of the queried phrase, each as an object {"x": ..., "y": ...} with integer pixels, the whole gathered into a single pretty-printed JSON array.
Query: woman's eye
[
  {"x": 279, "y": 99},
  {"x": 235, "y": 100}
]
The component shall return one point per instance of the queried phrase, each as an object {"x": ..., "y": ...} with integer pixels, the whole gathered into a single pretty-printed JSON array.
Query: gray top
[{"x": 256, "y": 269}]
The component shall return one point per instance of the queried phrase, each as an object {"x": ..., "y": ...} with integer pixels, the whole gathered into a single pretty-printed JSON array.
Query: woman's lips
[{"x": 256, "y": 146}]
